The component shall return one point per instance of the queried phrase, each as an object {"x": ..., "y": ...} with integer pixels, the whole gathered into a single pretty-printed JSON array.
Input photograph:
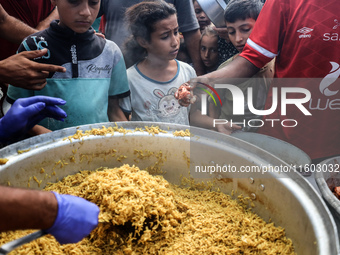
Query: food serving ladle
[{"x": 10, "y": 246}]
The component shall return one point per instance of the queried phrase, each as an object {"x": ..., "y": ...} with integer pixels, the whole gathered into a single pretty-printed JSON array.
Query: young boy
[
  {"x": 202, "y": 18},
  {"x": 240, "y": 17},
  {"x": 96, "y": 75}
]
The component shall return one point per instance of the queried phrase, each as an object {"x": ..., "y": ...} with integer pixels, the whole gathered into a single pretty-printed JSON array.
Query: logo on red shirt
[{"x": 305, "y": 32}]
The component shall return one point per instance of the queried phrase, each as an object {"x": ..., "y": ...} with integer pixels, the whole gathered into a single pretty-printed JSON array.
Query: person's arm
[
  {"x": 27, "y": 112},
  {"x": 19, "y": 70},
  {"x": 114, "y": 111},
  {"x": 192, "y": 41},
  {"x": 210, "y": 121},
  {"x": 46, "y": 22},
  {"x": 222, "y": 33},
  {"x": 26, "y": 209},
  {"x": 13, "y": 29},
  {"x": 239, "y": 69},
  {"x": 68, "y": 218},
  {"x": 38, "y": 130}
]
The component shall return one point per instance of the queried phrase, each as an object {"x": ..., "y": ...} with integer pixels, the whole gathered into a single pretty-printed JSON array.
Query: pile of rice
[{"x": 144, "y": 214}]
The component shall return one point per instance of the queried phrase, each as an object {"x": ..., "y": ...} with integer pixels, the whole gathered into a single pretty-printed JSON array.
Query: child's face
[
  {"x": 209, "y": 50},
  {"x": 202, "y": 18},
  {"x": 239, "y": 32},
  {"x": 77, "y": 15},
  {"x": 165, "y": 40}
]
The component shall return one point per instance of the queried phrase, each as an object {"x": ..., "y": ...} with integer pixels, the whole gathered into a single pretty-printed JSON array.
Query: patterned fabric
[{"x": 225, "y": 50}]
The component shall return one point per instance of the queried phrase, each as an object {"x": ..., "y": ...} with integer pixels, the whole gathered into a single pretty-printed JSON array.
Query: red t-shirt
[
  {"x": 30, "y": 12},
  {"x": 304, "y": 37}
]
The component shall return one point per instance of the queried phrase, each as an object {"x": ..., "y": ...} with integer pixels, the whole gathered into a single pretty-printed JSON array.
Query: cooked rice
[
  {"x": 3, "y": 161},
  {"x": 182, "y": 133},
  {"x": 144, "y": 214}
]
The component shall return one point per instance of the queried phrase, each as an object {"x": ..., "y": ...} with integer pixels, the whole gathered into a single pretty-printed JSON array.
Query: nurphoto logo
[{"x": 239, "y": 100}]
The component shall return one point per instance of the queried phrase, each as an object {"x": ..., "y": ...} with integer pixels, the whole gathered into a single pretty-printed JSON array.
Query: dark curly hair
[{"x": 141, "y": 19}]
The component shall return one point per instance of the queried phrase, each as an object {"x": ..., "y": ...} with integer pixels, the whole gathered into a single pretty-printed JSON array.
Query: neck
[
  {"x": 158, "y": 70},
  {"x": 156, "y": 63}
]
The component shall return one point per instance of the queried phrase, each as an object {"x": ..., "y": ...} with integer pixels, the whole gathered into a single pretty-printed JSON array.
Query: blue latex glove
[
  {"x": 27, "y": 112},
  {"x": 76, "y": 218}
]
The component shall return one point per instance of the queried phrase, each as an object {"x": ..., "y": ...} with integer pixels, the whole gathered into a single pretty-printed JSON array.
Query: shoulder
[
  {"x": 34, "y": 41},
  {"x": 185, "y": 71},
  {"x": 227, "y": 62},
  {"x": 38, "y": 36},
  {"x": 185, "y": 66},
  {"x": 112, "y": 46},
  {"x": 132, "y": 70},
  {"x": 111, "y": 50}
]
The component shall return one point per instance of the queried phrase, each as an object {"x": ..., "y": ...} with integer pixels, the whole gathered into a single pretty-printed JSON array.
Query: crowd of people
[{"x": 65, "y": 74}]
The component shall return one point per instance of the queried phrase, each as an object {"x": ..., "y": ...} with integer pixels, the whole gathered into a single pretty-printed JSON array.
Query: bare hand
[
  {"x": 99, "y": 34},
  {"x": 222, "y": 33},
  {"x": 185, "y": 95},
  {"x": 19, "y": 70},
  {"x": 227, "y": 128}
]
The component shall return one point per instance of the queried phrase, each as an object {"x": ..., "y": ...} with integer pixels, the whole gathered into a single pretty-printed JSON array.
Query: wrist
[
  {"x": 49, "y": 209},
  {"x": 52, "y": 210}
]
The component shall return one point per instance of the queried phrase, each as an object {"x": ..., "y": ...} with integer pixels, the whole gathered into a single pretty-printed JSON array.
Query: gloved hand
[
  {"x": 76, "y": 218},
  {"x": 27, "y": 112}
]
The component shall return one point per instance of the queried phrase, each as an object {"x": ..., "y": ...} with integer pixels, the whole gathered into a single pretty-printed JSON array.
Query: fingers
[
  {"x": 221, "y": 29},
  {"x": 33, "y": 54},
  {"x": 41, "y": 67},
  {"x": 49, "y": 111},
  {"x": 53, "y": 111},
  {"x": 45, "y": 99},
  {"x": 99, "y": 34},
  {"x": 32, "y": 109},
  {"x": 37, "y": 86},
  {"x": 235, "y": 127},
  {"x": 49, "y": 68}
]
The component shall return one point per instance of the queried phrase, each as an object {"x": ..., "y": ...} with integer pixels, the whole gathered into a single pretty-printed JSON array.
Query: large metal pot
[
  {"x": 285, "y": 198},
  {"x": 214, "y": 9},
  {"x": 327, "y": 176}
]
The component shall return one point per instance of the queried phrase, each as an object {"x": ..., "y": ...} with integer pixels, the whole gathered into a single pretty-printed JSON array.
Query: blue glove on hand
[
  {"x": 27, "y": 112},
  {"x": 76, "y": 218}
]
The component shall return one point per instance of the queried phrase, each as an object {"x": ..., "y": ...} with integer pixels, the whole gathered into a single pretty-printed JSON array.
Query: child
[
  {"x": 96, "y": 75},
  {"x": 156, "y": 74},
  {"x": 209, "y": 49},
  {"x": 240, "y": 16},
  {"x": 202, "y": 18}
]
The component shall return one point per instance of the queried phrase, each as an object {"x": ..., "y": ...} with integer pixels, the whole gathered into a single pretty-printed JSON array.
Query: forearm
[
  {"x": 13, "y": 29},
  {"x": 114, "y": 111},
  {"x": 117, "y": 115},
  {"x": 236, "y": 72},
  {"x": 46, "y": 22},
  {"x": 26, "y": 209},
  {"x": 38, "y": 130},
  {"x": 203, "y": 121},
  {"x": 192, "y": 41}
]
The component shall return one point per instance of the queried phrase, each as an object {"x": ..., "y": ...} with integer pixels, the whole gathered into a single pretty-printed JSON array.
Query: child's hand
[{"x": 227, "y": 128}]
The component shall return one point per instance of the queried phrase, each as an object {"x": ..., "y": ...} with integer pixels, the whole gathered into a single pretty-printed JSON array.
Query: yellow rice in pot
[{"x": 144, "y": 214}]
